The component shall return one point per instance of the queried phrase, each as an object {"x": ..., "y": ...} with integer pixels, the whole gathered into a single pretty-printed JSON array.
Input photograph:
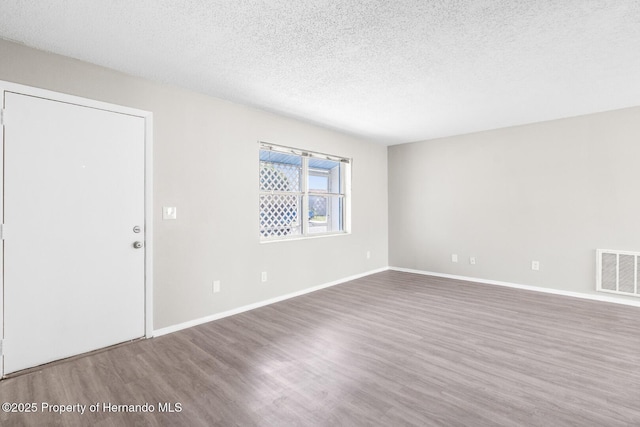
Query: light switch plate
[{"x": 169, "y": 212}]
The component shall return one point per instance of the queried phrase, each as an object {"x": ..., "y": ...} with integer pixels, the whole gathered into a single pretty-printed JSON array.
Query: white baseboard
[
  {"x": 195, "y": 322},
  {"x": 602, "y": 298}
]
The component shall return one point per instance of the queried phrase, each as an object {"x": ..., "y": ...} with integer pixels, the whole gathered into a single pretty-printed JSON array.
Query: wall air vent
[{"x": 618, "y": 272}]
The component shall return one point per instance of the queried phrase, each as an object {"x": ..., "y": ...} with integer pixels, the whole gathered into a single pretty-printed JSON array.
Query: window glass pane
[
  {"x": 280, "y": 171},
  {"x": 319, "y": 181},
  {"x": 325, "y": 214},
  {"x": 324, "y": 176},
  {"x": 315, "y": 163},
  {"x": 280, "y": 215}
]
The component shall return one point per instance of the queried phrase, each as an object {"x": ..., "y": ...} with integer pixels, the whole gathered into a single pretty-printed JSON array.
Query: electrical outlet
[
  {"x": 454, "y": 257},
  {"x": 216, "y": 286},
  {"x": 472, "y": 260},
  {"x": 368, "y": 254},
  {"x": 263, "y": 277},
  {"x": 535, "y": 265}
]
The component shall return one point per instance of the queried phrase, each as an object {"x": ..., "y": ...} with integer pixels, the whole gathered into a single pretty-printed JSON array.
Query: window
[{"x": 302, "y": 193}]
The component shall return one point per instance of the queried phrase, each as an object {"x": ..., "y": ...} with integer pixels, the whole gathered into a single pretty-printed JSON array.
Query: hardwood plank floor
[{"x": 391, "y": 349}]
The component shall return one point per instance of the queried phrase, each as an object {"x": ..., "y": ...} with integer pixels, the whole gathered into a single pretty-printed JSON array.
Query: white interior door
[{"x": 73, "y": 193}]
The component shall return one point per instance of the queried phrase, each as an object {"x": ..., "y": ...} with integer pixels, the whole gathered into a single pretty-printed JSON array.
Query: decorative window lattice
[
  {"x": 279, "y": 177},
  {"x": 279, "y": 215},
  {"x": 317, "y": 206},
  {"x": 279, "y": 211}
]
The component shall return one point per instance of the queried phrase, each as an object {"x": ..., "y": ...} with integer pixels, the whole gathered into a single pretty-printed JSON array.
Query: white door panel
[{"x": 74, "y": 190}]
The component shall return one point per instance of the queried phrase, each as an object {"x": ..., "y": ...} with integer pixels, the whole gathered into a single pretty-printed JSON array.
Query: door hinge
[
  {"x": 3, "y": 114},
  {"x": 1, "y": 231},
  {"x": 1, "y": 348}
]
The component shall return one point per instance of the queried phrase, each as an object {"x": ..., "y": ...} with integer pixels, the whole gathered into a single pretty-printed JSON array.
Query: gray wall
[
  {"x": 552, "y": 192},
  {"x": 206, "y": 164}
]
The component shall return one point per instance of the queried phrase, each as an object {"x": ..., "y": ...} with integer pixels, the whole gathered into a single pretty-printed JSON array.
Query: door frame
[{"x": 148, "y": 187}]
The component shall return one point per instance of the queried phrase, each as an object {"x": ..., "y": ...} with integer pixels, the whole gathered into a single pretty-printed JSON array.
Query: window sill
[{"x": 309, "y": 237}]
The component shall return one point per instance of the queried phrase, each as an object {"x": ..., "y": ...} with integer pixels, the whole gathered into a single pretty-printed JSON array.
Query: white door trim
[{"x": 148, "y": 185}]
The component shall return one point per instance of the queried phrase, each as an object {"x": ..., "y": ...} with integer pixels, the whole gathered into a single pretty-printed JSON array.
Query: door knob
[{"x": 137, "y": 245}]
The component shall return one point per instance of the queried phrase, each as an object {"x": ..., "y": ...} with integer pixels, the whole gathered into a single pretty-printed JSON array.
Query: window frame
[{"x": 305, "y": 193}]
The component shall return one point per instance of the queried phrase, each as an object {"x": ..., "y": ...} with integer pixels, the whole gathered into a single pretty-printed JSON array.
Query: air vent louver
[{"x": 618, "y": 272}]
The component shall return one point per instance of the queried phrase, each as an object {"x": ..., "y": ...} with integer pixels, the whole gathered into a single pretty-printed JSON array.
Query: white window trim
[{"x": 345, "y": 192}]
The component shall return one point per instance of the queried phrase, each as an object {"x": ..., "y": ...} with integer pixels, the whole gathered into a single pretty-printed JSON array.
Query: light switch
[{"x": 169, "y": 212}]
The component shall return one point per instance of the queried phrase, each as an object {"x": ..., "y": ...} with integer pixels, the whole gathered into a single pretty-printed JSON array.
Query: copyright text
[{"x": 79, "y": 408}]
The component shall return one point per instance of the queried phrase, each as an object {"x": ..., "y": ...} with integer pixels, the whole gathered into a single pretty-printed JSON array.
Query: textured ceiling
[{"x": 391, "y": 71}]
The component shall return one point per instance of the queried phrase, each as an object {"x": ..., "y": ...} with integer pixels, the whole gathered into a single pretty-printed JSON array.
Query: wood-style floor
[{"x": 391, "y": 349}]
